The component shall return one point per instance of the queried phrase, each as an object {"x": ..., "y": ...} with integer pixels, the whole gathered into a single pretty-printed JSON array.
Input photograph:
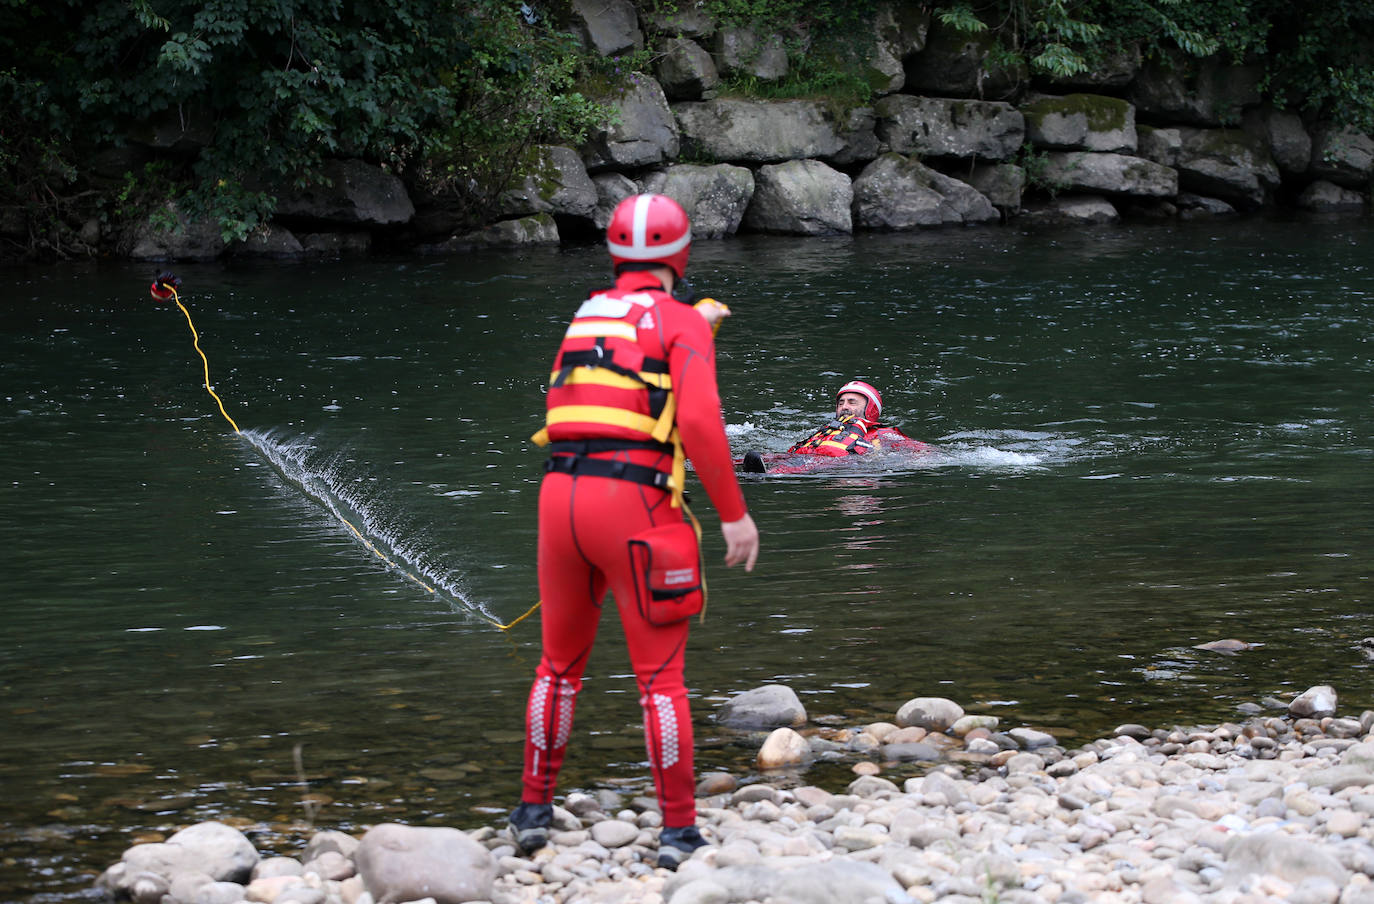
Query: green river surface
[{"x": 1150, "y": 436}]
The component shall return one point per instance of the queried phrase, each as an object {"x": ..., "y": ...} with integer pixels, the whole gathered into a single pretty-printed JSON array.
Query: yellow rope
[{"x": 195, "y": 340}]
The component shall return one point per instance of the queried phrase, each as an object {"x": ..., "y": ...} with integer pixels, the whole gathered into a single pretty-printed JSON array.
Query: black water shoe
[
  {"x": 529, "y": 823},
  {"x": 677, "y": 844},
  {"x": 753, "y": 463}
]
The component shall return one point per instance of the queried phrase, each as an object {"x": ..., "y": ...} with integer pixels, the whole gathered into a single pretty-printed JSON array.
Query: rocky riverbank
[
  {"x": 1275, "y": 808},
  {"x": 950, "y": 138}
]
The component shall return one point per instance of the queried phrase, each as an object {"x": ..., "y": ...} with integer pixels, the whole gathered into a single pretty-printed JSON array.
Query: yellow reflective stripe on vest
[
  {"x": 664, "y": 428},
  {"x": 616, "y": 329},
  {"x": 602, "y": 414},
  {"x": 600, "y": 376}
]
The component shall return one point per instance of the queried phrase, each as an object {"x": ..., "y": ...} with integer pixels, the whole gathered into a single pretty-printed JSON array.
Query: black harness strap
[
  {"x": 581, "y": 466},
  {"x": 592, "y": 446}
]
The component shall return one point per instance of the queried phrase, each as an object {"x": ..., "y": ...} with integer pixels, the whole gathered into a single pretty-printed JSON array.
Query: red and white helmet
[
  {"x": 874, "y": 408},
  {"x": 650, "y": 229}
]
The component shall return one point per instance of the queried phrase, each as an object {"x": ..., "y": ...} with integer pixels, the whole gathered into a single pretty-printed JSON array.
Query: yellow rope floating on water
[
  {"x": 195, "y": 340},
  {"x": 169, "y": 285}
]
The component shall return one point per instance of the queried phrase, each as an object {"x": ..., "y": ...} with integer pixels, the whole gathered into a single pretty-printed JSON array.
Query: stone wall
[{"x": 951, "y": 140}]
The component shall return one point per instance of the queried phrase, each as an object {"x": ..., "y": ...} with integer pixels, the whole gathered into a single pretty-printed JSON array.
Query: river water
[{"x": 1150, "y": 437}]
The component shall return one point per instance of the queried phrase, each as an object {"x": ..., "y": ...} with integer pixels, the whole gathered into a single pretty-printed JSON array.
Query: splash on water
[{"x": 324, "y": 478}]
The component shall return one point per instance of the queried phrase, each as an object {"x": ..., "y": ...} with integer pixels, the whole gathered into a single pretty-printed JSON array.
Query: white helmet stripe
[{"x": 641, "y": 220}]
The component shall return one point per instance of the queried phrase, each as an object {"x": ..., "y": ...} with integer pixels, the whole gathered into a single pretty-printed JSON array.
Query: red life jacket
[
  {"x": 842, "y": 436},
  {"x": 605, "y": 391}
]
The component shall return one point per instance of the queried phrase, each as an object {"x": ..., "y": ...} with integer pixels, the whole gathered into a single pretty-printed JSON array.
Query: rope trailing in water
[
  {"x": 195, "y": 340},
  {"x": 164, "y": 288}
]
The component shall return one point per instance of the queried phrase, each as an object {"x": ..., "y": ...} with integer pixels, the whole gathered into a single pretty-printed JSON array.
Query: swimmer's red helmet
[{"x": 874, "y": 409}]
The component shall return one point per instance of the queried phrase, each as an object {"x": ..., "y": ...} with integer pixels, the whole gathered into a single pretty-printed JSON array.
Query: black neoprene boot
[
  {"x": 530, "y": 825},
  {"x": 677, "y": 844}
]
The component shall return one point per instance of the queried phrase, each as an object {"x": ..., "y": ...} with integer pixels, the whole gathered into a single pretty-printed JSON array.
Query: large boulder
[
  {"x": 897, "y": 192},
  {"x": 800, "y": 197},
  {"x": 407, "y": 863},
  {"x": 209, "y": 851},
  {"x": 958, "y": 64},
  {"x": 171, "y": 235},
  {"x": 1163, "y": 146},
  {"x": 1210, "y": 92},
  {"x": 1080, "y": 122},
  {"x": 1070, "y": 210},
  {"x": 1343, "y": 156},
  {"x": 538, "y": 229},
  {"x": 767, "y": 707},
  {"x": 1328, "y": 197},
  {"x": 609, "y": 27},
  {"x": 1228, "y": 164},
  {"x": 685, "y": 70},
  {"x": 930, "y": 713},
  {"x": 1117, "y": 174},
  {"x": 746, "y": 52},
  {"x": 858, "y": 133},
  {"x": 899, "y": 30},
  {"x": 352, "y": 193},
  {"x": 554, "y": 181},
  {"x": 1001, "y": 183},
  {"x": 715, "y": 197},
  {"x": 686, "y": 20},
  {"x": 1283, "y": 131},
  {"x": 732, "y": 130},
  {"x": 1113, "y": 68},
  {"x": 611, "y": 189},
  {"x": 269, "y": 241},
  {"x": 945, "y": 127},
  {"x": 643, "y": 132}
]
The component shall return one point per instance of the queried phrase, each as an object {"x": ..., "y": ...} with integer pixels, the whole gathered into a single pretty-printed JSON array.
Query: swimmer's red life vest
[
  {"x": 842, "y": 436},
  {"x": 605, "y": 393}
]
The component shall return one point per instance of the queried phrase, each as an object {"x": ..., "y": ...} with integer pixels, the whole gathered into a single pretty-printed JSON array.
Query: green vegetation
[
  {"x": 109, "y": 109},
  {"x": 240, "y": 98},
  {"x": 1316, "y": 57}
]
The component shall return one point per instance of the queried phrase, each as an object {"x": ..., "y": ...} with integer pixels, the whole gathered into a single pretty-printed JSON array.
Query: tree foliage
[
  {"x": 264, "y": 90},
  {"x": 1317, "y": 57}
]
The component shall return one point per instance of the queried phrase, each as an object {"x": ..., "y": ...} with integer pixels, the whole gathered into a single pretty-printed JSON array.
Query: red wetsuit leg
[
  {"x": 570, "y": 592},
  {"x": 584, "y": 527}
]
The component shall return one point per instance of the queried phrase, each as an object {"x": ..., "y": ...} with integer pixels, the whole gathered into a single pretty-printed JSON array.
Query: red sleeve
[
  {"x": 894, "y": 440},
  {"x": 692, "y": 365}
]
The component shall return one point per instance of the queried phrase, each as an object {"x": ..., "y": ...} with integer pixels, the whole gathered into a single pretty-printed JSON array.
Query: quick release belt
[
  {"x": 592, "y": 446},
  {"x": 581, "y": 466}
]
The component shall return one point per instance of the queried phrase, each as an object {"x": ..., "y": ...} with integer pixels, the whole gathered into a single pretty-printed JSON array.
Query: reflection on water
[{"x": 1147, "y": 438}]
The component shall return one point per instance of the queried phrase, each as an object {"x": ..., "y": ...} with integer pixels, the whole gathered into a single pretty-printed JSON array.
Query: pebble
[{"x": 1271, "y": 810}]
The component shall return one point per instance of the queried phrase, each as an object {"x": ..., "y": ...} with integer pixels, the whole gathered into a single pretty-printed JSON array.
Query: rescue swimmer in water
[{"x": 855, "y": 430}]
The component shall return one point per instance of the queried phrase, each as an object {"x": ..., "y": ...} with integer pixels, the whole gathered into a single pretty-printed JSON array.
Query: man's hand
[
  {"x": 741, "y": 542},
  {"x": 714, "y": 312}
]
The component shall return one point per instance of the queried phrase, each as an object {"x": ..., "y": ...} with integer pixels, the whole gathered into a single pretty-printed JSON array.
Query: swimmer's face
[{"x": 850, "y": 404}]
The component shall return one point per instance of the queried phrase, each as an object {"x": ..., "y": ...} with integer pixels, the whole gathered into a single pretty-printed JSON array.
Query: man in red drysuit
[
  {"x": 856, "y": 430},
  {"x": 632, "y": 395}
]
